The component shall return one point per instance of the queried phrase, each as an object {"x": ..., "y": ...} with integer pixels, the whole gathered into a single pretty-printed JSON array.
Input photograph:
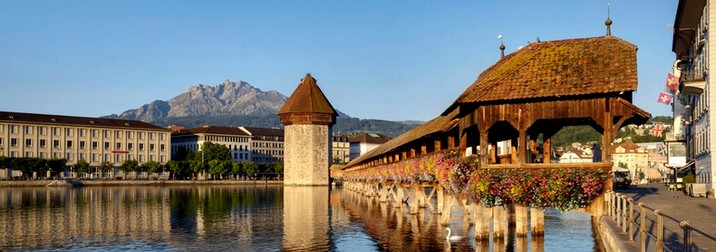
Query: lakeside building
[
  {"x": 266, "y": 145},
  {"x": 363, "y": 143},
  {"x": 692, "y": 139},
  {"x": 94, "y": 140},
  {"x": 633, "y": 156},
  {"x": 341, "y": 148},
  {"x": 237, "y": 140}
]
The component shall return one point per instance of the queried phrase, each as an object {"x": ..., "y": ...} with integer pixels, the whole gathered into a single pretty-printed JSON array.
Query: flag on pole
[
  {"x": 672, "y": 82},
  {"x": 657, "y": 130},
  {"x": 665, "y": 98}
]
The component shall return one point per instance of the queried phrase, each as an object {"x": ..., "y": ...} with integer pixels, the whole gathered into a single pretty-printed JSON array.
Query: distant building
[
  {"x": 94, "y": 140},
  {"x": 575, "y": 155},
  {"x": 266, "y": 145},
  {"x": 633, "y": 156},
  {"x": 341, "y": 148},
  {"x": 365, "y": 142},
  {"x": 236, "y": 139}
]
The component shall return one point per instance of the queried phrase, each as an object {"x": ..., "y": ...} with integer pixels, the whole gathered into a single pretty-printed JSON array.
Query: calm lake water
[{"x": 244, "y": 218}]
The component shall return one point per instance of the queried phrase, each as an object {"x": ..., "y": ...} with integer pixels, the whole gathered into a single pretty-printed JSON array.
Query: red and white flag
[
  {"x": 657, "y": 130},
  {"x": 672, "y": 82},
  {"x": 665, "y": 98}
]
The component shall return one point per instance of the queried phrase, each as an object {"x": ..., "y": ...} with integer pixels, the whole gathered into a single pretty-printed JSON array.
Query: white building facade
[{"x": 692, "y": 101}]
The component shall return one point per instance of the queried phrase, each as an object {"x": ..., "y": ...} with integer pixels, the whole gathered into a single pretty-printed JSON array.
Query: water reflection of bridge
[{"x": 506, "y": 120}]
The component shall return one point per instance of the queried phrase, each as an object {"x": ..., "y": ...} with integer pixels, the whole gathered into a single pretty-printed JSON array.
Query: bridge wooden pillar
[
  {"x": 482, "y": 221},
  {"x": 521, "y": 221},
  {"x": 499, "y": 222},
  {"x": 536, "y": 222}
]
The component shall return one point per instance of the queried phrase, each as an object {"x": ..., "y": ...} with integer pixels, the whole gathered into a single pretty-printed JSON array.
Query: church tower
[{"x": 307, "y": 117}]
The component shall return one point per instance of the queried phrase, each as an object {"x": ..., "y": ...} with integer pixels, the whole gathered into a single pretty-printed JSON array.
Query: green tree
[
  {"x": 82, "y": 167},
  {"x": 153, "y": 166},
  {"x": 57, "y": 165},
  {"x": 278, "y": 167},
  {"x": 4, "y": 162},
  {"x": 106, "y": 166},
  {"x": 236, "y": 169},
  {"x": 197, "y": 167},
  {"x": 249, "y": 168},
  {"x": 211, "y": 151},
  {"x": 129, "y": 166}
]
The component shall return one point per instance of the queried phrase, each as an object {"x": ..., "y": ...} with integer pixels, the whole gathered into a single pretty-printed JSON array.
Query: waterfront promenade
[{"x": 699, "y": 211}]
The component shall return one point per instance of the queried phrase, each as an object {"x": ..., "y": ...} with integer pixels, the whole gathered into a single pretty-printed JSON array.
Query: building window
[
  {"x": 13, "y": 154},
  {"x": 117, "y": 134},
  {"x": 56, "y": 143},
  {"x": 106, "y": 133},
  {"x": 13, "y": 142},
  {"x": 162, "y": 159},
  {"x": 151, "y": 147},
  {"x": 141, "y": 158},
  {"x": 2, "y": 128},
  {"x": 129, "y": 157},
  {"x": 94, "y": 145},
  {"x": 69, "y": 156},
  {"x": 43, "y": 155},
  {"x": 140, "y": 135},
  {"x": 94, "y": 133},
  {"x": 117, "y": 158},
  {"x": 28, "y": 142},
  {"x": 106, "y": 158},
  {"x": 151, "y": 135},
  {"x": 82, "y": 156},
  {"x": 129, "y": 146},
  {"x": 0, "y": 141},
  {"x": 13, "y": 129},
  {"x": 94, "y": 157},
  {"x": 69, "y": 132},
  {"x": 81, "y": 132},
  {"x": 82, "y": 145},
  {"x": 129, "y": 135},
  {"x": 141, "y": 147},
  {"x": 69, "y": 144},
  {"x": 162, "y": 136},
  {"x": 151, "y": 157},
  {"x": 106, "y": 145},
  {"x": 161, "y": 147},
  {"x": 119, "y": 146}
]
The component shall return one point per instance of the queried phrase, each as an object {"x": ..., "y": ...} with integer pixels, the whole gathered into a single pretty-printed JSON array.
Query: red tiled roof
[
  {"x": 307, "y": 98},
  {"x": 570, "y": 67},
  {"x": 76, "y": 121}
]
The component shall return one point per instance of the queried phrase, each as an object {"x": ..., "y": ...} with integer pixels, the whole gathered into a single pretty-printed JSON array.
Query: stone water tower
[{"x": 307, "y": 117}]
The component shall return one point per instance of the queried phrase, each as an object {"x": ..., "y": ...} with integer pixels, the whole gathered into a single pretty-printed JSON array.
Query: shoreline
[{"x": 76, "y": 183}]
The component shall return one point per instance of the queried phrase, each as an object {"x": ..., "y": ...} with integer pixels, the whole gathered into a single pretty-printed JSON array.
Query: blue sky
[{"x": 391, "y": 60}]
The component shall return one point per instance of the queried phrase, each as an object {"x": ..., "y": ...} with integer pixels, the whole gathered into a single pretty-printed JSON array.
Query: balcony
[{"x": 692, "y": 87}]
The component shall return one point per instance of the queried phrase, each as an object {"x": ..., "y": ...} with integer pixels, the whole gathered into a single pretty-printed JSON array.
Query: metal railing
[{"x": 620, "y": 208}]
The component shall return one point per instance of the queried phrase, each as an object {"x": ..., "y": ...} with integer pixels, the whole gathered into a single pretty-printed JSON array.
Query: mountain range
[{"x": 240, "y": 104}]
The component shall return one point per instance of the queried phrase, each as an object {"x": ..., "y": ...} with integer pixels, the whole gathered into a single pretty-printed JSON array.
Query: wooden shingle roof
[
  {"x": 439, "y": 124},
  {"x": 307, "y": 98},
  {"x": 548, "y": 69}
]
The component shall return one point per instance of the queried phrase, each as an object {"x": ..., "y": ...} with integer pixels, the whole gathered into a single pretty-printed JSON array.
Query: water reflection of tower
[{"x": 305, "y": 218}]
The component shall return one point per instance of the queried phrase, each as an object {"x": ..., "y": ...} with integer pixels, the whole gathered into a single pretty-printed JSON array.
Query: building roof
[
  {"x": 208, "y": 129},
  {"x": 254, "y": 131},
  {"x": 307, "y": 98},
  {"x": 547, "y": 69},
  {"x": 16, "y": 117},
  {"x": 370, "y": 138},
  {"x": 628, "y": 145},
  {"x": 439, "y": 124}
]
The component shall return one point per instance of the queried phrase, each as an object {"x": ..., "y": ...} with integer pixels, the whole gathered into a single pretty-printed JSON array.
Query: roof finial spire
[
  {"x": 502, "y": 46},
  {"x": 608, "y": 22}
]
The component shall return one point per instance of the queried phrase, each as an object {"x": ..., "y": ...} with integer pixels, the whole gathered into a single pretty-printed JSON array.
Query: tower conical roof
[
  {"x": 307, "y": 105},
  {"x": 307, "y": 98}
]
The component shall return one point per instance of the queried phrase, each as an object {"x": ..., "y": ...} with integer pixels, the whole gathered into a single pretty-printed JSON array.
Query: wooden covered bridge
[{"x": 489, "y": 153}]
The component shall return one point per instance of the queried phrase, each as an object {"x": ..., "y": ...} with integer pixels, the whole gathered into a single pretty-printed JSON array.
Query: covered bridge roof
[{"x": 547, "y": 69}]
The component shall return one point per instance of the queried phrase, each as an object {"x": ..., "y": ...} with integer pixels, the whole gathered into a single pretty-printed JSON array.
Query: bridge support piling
[
  {"x": 536, "y": 222},
  {"x": 499, "y": 222},
  {"x": 511, "y": 215},
  {"x": 446, "y": 210},
  {"x": 482, "y": 222},
  {"x": 521, "y": 221},
  {"x": 415, "y": 199},
  {"x": 441, "y": 199},
  {"x": 383, "y": 193}
]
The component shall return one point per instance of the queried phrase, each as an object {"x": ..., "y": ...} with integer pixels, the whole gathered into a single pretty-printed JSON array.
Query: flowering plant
[{"x": 564, "y": 189}]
